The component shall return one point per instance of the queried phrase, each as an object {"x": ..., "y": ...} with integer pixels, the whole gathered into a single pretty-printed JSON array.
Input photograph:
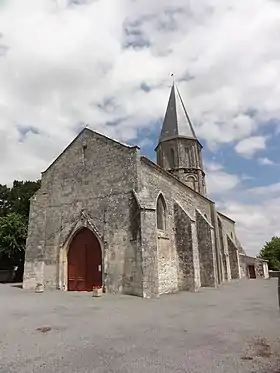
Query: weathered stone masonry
[
  {"x": 74, "y": 184},
  {"x": 185, "y": 248},
  {"x": 206, "y": 247},
  {"x": 157, "y": 231}
]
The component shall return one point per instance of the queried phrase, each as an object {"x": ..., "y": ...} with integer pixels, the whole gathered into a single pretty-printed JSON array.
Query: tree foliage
[
  {"x": 16, "y": 199},
  {"x": 14, "y": 212},
  {"x": 5, "y": 204},
  {"x": 271, "y": 252},
  {"x": 13, "y": 232}
]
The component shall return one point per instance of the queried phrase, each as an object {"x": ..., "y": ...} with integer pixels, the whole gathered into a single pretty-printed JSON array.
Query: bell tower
[{"x": 179, "y": 151}]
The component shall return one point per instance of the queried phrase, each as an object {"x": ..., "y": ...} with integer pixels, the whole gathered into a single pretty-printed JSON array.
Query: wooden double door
[{"x": 84, "y": 262}]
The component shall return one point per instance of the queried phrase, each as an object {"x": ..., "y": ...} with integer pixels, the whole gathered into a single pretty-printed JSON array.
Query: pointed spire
[{"x": 176, "y": 121}]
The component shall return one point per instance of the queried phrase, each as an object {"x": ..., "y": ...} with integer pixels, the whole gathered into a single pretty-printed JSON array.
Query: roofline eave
[{"x": 161, "y": 140}]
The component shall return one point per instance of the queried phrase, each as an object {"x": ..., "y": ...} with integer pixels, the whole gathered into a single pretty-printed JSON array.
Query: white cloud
[
  {"x": 251, "y": 145},
  {"x": 247, "y": 177},
  {"x": 265, "y": 161},
  {"x": 62, "y": 65},
  {"x": 266, "y": 190},
  {"x": 146, "y": 142},
  {"x": 75, "y": 67},
  {"x": 213, "y": 166},
  {"x": 256, "y": 212},
  {"x": 257, "y": 223},
  {"x": 219, "y": 181}
]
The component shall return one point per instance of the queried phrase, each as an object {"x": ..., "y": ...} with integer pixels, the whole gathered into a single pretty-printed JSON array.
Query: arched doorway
[{"x": 84, "y": 262}]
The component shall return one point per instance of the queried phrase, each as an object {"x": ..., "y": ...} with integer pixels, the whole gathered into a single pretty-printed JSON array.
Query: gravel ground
[{"x": 231, "y": 329}]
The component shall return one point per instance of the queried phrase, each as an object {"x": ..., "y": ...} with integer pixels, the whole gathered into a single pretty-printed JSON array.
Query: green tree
[
  {"x": 5, "y": 205},
  {"x": 17, "y": 198},
  {"x": 13, "y": 233},
  {"x": 14, "y": 212},
  {"x": 271, "y": 252},
  {"x": 20, "y": 195}
]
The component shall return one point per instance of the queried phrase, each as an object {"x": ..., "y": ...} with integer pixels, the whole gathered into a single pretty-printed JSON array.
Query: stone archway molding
[{"x": 84, "y": 221}]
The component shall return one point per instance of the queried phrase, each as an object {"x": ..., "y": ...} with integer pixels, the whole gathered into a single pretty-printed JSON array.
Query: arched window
[
  {"x": 161, "y": 213},
  {"x": 172, "y": 158}
]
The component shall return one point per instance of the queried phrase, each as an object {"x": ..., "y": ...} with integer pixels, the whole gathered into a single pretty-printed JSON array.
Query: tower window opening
[{"x": 172, "y": 158}]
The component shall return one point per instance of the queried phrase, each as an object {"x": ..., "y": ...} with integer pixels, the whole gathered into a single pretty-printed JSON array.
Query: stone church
[{"x": 107, "y": 217}]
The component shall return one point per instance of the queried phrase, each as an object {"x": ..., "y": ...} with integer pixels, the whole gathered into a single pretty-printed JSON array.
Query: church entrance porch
[{"x": 84, "y": 262}]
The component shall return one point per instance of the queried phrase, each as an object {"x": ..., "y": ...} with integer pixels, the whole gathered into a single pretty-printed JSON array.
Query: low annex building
[
  {"x": 253, "y": 268},
  {"x": 105, "y": 216}
]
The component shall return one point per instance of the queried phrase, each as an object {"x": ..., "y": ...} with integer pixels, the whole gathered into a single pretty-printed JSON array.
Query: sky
[{"x": 65, "y": 64}]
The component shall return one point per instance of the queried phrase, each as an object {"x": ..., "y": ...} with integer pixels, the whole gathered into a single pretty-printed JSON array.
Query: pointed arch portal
[{"x": 84, "y": 262}]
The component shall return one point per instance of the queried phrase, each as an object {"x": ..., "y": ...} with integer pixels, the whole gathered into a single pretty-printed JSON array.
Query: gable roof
[{"x": 91, "y": 133}]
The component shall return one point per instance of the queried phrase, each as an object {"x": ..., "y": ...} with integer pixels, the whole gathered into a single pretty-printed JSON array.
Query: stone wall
[
  {"x": 228, "y": 226},
  {"x": 167, "y": 265},
  {"x": 223, "y": 235},
  {"x": 182, "y": 157},
  {"x": 261, "y": 268},
  {"x": 113, "y": 191},
  {"x": 149, "y": 253},
  {"x": 132, "y": 273},
  {"x": 185, "y": 249},
  {"x": 153, "y": 181},
  {"x": 224, "y": 252},
  {"x": 156, "y": 180},
  {"x": 96, "y": 175},
  {"x": 265, "y": 270},
  {"x": 206, "y": 249},
  {"x": 243, "y": 266},
  {"x": 35, "y": 244},
  {"x": 218, "y": 248},
  {"x": 233, "y": 259}
]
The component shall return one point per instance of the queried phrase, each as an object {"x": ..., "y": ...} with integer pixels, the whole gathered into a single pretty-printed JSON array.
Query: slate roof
[{"x": 176, "y": 121}]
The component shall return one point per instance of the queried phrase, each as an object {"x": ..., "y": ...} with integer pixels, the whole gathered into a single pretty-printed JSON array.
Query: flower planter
[
  {"x": 97, "y": 292},
  {"x": 39, "y": 288}
]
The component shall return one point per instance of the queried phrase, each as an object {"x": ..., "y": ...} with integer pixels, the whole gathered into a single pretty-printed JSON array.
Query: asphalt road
[{"x": 235, "y": 328}]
